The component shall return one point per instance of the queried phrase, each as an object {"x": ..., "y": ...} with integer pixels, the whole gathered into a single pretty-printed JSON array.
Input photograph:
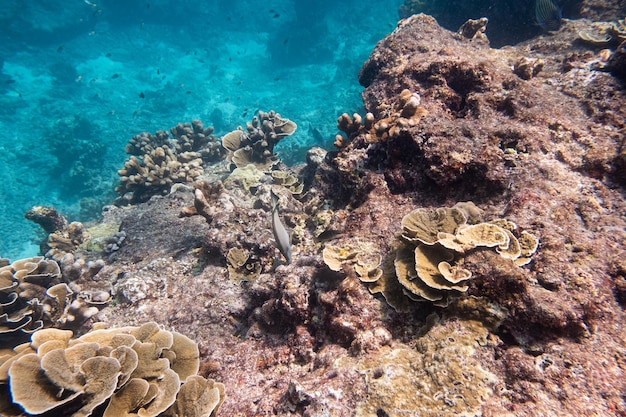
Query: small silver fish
[{"x": 281, "y": 236}]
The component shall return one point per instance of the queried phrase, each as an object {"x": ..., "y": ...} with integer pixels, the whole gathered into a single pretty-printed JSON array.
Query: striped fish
[{"x": 548, "y": 15}]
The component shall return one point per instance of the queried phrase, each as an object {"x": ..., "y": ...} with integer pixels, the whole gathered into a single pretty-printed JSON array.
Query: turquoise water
[{"x": 78, "y": 79}]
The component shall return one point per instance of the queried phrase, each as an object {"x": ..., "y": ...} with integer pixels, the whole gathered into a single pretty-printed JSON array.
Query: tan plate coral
[
  {"x": 429, "y": 254},
  {"x": 128, "y": 371},
  {"x": 33, "y": 295}
]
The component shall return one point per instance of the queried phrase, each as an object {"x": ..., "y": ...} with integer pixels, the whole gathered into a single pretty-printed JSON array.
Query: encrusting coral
[
  {"x": 255, "y": 144},
  {"x": 127, "y": 371},
  {"x": 429, "y": 254}
]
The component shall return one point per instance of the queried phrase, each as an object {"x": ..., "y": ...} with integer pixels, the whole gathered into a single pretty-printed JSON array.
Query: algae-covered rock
[{"x": 442, "y": 377}]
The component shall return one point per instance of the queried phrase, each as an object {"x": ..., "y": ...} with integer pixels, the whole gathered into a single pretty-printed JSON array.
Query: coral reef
[
  {"x": 533, "y": 134},
  {"x": 127, "y": 371},
  {"x": 255, "y": 144}
]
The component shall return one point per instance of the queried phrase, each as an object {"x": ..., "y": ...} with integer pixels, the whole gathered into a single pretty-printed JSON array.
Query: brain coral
[
  {"x": 128, "y": 371},
  {"x": 429, "y": 253},
  {"x": 256, "y": 144}
]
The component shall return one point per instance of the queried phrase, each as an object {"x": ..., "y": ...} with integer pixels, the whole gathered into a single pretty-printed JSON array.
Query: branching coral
[
  {"x": 397, "y": 118},
  {"x": 155, "y": 173},
  {"x": 186, "y": 137},
  {"x": 255, "y": 145},
  {"x": 128, "y": 371},
  {"x": 158, "y": 161}
]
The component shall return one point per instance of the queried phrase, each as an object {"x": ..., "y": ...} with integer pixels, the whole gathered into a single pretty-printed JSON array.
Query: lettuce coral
[
  {"x": 429, "y": 253},
  {"x": 127, "y": 371}
]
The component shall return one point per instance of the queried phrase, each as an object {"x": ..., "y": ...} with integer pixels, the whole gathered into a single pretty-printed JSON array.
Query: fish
[
  {"x": 281, "y": 236},
  {"x": 548, "y": 15}
]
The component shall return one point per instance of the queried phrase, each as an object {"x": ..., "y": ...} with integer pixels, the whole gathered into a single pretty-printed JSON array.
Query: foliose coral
[
  {"x": 255, "y": 144},
  {"x": 33, "y": 295},
  {"x": 242, "y": 266},
  {"x": 604, "y": 33},
  {"x": 429, "y": 253},
  {"x": 127, "y": 371},
  {"x": 361, "y": 256},
  {"x": 288, "y": 180}
]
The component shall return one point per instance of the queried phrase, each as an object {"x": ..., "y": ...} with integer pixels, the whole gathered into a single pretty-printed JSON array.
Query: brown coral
[
  {"x": 255, "y": 145},
  {"x": 155, "y": 173},
  {"x": 33, "y": 295},
  {"x": 130, "y": 371},
  {"x": 430, "y": 254}
]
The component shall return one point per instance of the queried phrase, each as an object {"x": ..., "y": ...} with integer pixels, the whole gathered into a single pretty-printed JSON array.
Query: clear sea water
[{"x": 78, "y": 79}]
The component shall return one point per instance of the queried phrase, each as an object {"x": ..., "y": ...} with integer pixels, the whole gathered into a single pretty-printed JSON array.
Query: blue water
[{"x": 78, "y": 79}]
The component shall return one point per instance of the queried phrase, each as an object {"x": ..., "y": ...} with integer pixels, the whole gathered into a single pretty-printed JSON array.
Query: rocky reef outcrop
[{"x": 464, "y": 153}]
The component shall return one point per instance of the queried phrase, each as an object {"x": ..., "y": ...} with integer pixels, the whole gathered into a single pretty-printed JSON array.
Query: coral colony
[{"x": 459, "y": 250}]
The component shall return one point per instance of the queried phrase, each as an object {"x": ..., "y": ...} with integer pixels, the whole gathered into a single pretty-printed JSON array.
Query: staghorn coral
[
  {"x": 255, "y": 145},
  {"x": 429, "y": 255},
  {"x": 155, "y": 173},
  {"x": 127, "y": 371}
]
